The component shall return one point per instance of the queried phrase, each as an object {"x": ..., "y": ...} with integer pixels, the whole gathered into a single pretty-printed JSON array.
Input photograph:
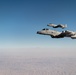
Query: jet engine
[
  {"x": 69, "y": 32},
  {"x": 73, "y": 37}
]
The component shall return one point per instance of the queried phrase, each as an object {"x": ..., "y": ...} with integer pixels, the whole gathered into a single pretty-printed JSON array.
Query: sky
[{"x": 21, "y": 19}]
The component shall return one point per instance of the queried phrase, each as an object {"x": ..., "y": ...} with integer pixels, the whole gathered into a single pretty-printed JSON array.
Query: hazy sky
[{"x": 21, "y": 19}]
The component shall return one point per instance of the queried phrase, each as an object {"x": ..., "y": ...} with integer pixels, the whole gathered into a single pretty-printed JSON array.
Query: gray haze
[{"x": 37, "y": 61}]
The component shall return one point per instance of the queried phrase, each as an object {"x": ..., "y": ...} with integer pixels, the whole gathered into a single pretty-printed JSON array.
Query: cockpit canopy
[{"x": 45, "y": 29}]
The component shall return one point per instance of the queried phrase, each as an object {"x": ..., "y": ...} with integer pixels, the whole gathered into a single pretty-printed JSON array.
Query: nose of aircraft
[
  {"x": 37, "y": 32},
  {"x": 47, "y": 24}
]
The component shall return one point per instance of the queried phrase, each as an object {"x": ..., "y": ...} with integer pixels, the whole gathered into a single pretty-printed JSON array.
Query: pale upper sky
[{"x": 21, "y": 19}]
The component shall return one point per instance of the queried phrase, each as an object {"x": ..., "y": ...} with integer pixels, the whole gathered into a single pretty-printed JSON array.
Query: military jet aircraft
[
  {"x": 57, "y": 26},
  {"x": 57, "y": 34}
]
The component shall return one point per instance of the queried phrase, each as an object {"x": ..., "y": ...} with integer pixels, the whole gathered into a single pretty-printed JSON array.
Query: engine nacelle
[{"x": 69, "y": 32}]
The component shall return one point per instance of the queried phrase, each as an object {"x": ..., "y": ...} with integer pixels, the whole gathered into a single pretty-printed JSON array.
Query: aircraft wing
[
  {"x": 57, "y": 26},
  {"x": 56, "y": 34}
]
